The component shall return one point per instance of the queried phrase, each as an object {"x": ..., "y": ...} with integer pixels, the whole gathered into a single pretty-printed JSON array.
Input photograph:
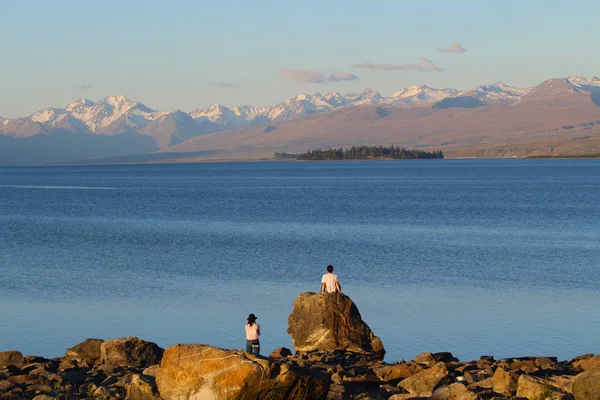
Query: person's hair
[
  {"x": 330, "y": 268},
  {"x": 251, "y": 319},
  {"x": 250, "y": 322}
]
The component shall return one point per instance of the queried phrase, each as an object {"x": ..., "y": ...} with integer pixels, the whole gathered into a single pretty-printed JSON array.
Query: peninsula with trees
[{"x": 363, "y": 153}]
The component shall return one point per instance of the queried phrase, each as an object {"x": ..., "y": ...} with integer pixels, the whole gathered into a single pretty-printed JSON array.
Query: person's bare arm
[
  {"x": 322, "y": 287},
  {"x": 339, "y": 288}
]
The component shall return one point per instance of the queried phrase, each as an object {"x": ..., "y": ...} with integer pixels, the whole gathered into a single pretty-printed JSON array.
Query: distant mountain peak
[
  {"x": 370, "y": 91},
  {"x": 83, "y": 102},
  {"x": 117, "y": 99}
]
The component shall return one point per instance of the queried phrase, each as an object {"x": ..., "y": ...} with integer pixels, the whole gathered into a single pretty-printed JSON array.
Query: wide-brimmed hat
[{"x": 251, "y": 317}]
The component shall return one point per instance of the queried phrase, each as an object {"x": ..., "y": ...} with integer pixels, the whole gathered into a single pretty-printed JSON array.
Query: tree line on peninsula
[{"x": 362, "y": 153}]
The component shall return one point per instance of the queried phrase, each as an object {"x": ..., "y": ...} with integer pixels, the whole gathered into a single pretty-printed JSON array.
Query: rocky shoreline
[{"x": 337, "y": 357}]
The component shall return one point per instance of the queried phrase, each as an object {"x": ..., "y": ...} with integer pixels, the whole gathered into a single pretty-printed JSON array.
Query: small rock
[
  {"x": 24, "y": 379},
  {"x": 503, "y": 382},
  {"x": 445, "y": 357},
  {"x": 102, "y": 391},
  {"x": 398, "y": 371},
  {"x": 111, "y": 380},
  {"x": 43, "y": 397},
  {"x": 587, "y": 363},
  {"x": 427, "y": 359},
  {"x": 68, "y": 364},
  {"x": 406, "y": 396},
  {"x": 141, "y": 389},
  {"x": 130, "y": 351},
  {"x": 455, "y": 391},
  {"x": 15, "y": 393},
  {"x": 152, "y": 370},
  {"x": 42, "y": 389},
  {"x": 369, "y": 378},
  {"x": 390, "y": 389},
  {"x": 87, "y": 351},
  {"x": 5, "y": 386},
  {"x": 545, "y": 361},
  {"x": 582, "y": 357},
  {"x": 532, "y": 388},
  {"x": 27, "y": 368},
  {"x": 281, "y": 353},
  {"x": 470, "y": 366},
  {"x": 11, "y": 357},
  {"x": 425, "y": 382},
  {"x": 336, "y": 378},
  {"x": 482, "y": 384}
]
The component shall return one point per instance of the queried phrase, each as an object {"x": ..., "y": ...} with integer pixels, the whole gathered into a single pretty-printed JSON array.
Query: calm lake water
[{"x": 474, "y": 257}]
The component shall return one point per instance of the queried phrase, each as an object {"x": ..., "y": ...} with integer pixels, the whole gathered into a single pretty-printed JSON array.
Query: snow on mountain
[
  {"x": 591, "y": 85},
  {"x": 118, "y": 114},
  {"x": 241, "y": 116},
  {"x": 335, "y": 99},
  {"x": 79, "y": 106},
  {"x": 367, "y": 96},
  {"x": 296, "y": 106},
  {"x": 499, "y": 93},
  {"x": 228, "y": 118},
  {"x": 49, "y": 116},
  {"x": 110, "y": 109},
  {"x": 420, "y": 94}
]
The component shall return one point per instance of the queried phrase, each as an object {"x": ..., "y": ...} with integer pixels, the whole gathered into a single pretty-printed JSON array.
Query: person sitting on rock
[
  {"x": 330, "y": 283},
  {"x": 252, "y": 335}
]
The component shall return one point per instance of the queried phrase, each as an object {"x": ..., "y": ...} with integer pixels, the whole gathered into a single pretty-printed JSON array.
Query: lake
[{"x": 475, "y": 257}]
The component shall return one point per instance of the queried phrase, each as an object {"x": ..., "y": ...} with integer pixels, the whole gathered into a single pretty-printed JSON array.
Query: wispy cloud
[
  {"x": 424, "y": 65},
  {"x": 342, "y": 76},
  {"x": 454, "y": 48},
  {"x": 307, "y": 76},
  {"x": 223, "y": 84},
  {"x": 82, "y": 86}
]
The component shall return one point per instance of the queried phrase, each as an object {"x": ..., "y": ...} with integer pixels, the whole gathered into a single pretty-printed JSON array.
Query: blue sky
[{"x": 190, "y": 54}]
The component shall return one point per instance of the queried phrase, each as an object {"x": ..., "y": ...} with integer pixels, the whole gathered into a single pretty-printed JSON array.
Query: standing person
[
  {"x": 330, "y": 283},
  {"x": 252, "y": 335}
]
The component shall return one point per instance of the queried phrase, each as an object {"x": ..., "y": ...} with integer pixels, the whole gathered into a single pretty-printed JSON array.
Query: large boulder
[
  {"x": 330, "y": 322},
  {"x": 587, "y": 385},
  {"x": 87, "y": 351},
  {"x": 130, "y": 352},
  {"x": 197, "y": 371}
]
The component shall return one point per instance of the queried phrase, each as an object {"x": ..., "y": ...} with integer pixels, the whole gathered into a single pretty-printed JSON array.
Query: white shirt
[
  {"x": 252, "y": 332},
  {"x": 329, "y": 279}
]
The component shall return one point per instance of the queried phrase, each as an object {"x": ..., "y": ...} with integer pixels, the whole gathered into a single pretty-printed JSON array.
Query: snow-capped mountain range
[
  {"x": 117, "y": 127},
  {"x": 117, "y": 114}
]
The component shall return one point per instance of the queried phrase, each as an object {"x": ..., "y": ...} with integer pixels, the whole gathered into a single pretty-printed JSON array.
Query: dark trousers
[{"x": 253, "y": 346}]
